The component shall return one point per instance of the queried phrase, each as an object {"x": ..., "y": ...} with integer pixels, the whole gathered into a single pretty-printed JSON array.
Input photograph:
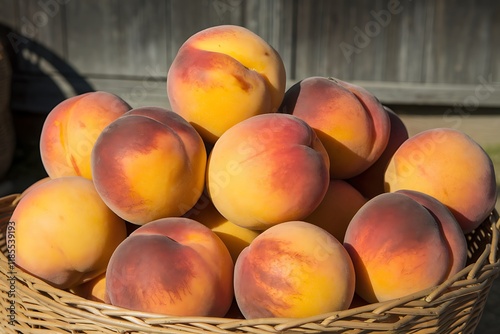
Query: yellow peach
[
  {"x": 173, "y": 266},
  {"x": 450, "y": 166},
  {"x": 235, "y": 237},
  {"x": 293, "y": 269},
  {"x": 266, "y": 170},
  {"x": 149, "y": 164},
  {"x": 223, "y": 75},
  {"x": 350, "y": 122},
  {"x": 64, "y": 232},
  {"x": 397, "y": 248},
  {"x": 340, "y": 204},
  {"x": 70, "y": 130}
]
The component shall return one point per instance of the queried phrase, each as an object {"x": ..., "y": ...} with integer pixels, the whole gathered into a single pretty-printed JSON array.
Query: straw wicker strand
[{"x": 455, "y": 306}]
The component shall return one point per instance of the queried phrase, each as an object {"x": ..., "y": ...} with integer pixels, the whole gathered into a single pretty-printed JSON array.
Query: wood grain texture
[
  {"x": 430, "y": 46},
  {"x": 108, "y": 38}
]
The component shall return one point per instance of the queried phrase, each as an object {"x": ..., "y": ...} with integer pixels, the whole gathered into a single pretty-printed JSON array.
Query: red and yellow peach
[
  {"x": 266, "y": 170},
  {"x": 149, "y": 164},
  {"x": 173, "y": 266},
  {"x": 350, "y": 122},
  {"x": 71, "y": 129},
  {"x": 223, "y": 75},
  {"x": 64, "y": 232},
  {"x": 293, "y": 269},
  {"x": 450, "y": 166},
  {"x": 397, "y": 248}
]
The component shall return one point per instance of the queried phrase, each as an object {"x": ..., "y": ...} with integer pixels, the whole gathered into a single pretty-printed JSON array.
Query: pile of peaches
[{"x": 247, "y": 199}]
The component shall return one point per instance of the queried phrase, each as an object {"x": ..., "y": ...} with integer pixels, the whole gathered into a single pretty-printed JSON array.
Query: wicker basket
[{"x": 455, "y": 306}]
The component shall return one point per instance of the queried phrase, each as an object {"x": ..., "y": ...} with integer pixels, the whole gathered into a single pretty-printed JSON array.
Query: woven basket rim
[{"x": 482, "y": 271}]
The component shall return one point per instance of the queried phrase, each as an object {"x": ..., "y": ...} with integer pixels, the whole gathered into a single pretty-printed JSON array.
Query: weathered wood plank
[
  {"x": 405, "y": 42},
  {"x": 493, "y": 42},
  {"x": 110, "y": 38},
  {"x": 39, "y": 94},
  {"x": 469, "y": 97},
  {"x": 43, "y": 23},
  {"x": 459, "y": 43},
  {"x": 320, "y": 36},
  {"x": 419, "y": 54}
]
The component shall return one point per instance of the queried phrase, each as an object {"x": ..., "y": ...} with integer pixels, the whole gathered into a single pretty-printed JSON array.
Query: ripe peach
[
  {"x": 450, "y": 166},
  {"x": 64, "y": 232},
  {"x": 223, "y": 75},
  {"x": 235, "y": 237},
  {"x": 397, "y": 248},
  {"x": 172, "y": 266},
  {"x": 149, "y": 164},
  {"x": 339, "y": 205},
  {"x": 94, "y": 290},
  {"x": 70, "y": 130},
  {"x": 294, "y": 269},
  {"x": 452, "y": 232},
  {"x": 350, "y": 122},
  {"x": 371, "y": 182},
  {"x": 266, "y": 170}
]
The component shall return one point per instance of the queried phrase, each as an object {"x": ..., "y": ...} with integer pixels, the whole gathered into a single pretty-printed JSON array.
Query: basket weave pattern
[{"x": 455, "y": 306}]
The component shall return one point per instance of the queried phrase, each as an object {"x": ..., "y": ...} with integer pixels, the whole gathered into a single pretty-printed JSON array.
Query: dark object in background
[{"x": 7, "y": 135}]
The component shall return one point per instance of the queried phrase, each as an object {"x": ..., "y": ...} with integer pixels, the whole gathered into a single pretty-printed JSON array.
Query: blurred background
[{"x": 435, "y": 63}]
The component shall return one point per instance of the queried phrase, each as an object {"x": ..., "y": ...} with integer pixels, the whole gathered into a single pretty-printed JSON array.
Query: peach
[
  {"x": 337, "y": 208},
  {"x": 266, "y": 170},
  {"x": 70, "y": 130},
  {"x": 235, "y": 237},
  {"x": 455, "y": 238},
  {"x": 223, "y": 75},
  {"x": 94, "y": 290},
  {"x": 149, "y": 164},
  {"x": 64, "y": 232},
  {"x": 397, "y": 248},
  {"x": 294, "y": 269},
  {"x": 450, "y": 166},
  {"x": 173, "y": 266},
  {"x": 371, "y": 182},
  {"x": 350, "y": 122}
]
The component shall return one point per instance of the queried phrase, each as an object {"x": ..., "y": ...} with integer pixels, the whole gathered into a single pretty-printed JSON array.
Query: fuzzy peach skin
[
  {"x": 294, "y": 269},
  {"x": 267, "y": 170},
  {"x": 149, "y": 164},
  {"x": 173, "y": 266},
  {"x": 70, "y": 130},
  {"x": 350, "y": 122},
  {"x": 340, "y": 204},
  {"x": 397, "y": 248},
  {"x": 235, "y": 237},
  {"x": 223, "y": 75},
  {"x": 450, "y": 166},
  {"x": 64, "y": 233},
  {"x": 94, "y": 290},
  {"x": 452, "y": 232},
  {"x": 371, "y": 182}
]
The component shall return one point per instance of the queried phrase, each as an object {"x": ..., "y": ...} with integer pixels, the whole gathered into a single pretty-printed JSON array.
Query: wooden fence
[{"x": 406, "y": 52}]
